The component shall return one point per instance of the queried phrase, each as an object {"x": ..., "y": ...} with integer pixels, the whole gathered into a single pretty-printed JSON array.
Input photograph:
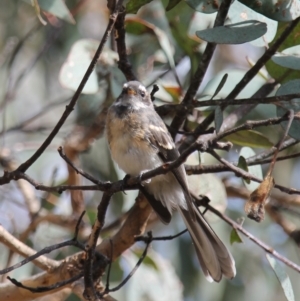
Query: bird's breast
[{"x": 128, "y": 145}]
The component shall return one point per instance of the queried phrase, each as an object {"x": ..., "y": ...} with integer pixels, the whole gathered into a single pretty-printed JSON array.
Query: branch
[
  {"x": 69, "y": 108},
  {"x": 89, "y": 278},
  {"x": 37, "y": 255},
  {"x": 123, "y": 63},
  {"x": 17, "y": 246},
  {"x": 260, "y": 243},
  {"x": 200, "y": 72},
  {"x": 244, "y": 81}
]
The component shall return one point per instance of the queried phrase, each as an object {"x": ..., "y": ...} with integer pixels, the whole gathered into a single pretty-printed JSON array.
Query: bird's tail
[{"x": 214, "y": 258}]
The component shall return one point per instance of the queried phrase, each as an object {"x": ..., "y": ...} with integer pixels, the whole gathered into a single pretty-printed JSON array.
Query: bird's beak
[{"x": 131, "y": 91}]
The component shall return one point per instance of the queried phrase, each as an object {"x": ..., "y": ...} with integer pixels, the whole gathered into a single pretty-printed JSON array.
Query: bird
[{"x": 139, "y": 141}]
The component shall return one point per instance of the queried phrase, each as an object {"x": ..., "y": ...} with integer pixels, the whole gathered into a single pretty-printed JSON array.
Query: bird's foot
[{"x": 124, "y": 182}]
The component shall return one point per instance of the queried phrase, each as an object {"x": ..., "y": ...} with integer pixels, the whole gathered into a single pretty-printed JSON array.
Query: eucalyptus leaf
[
  {"x": 243, "y": 165},
  {"x": 204, "y": 6},
  {"x": 249, "y": 138},
  {"x": 287, "y": 10},
  {"x": 57, "y": 8},
  {"x": 147, "y": 260},
  {"x": 235, "y": 237},
  {"x": 221, "y": 85},
  {"x": 172, "y": 4},
  {"x": 239, "y": 12},
  {"x": 75, "y": 66},
  {"x": 138, "y": 26},
  {"x": 255, "y": 170},
  {"x": 288, "y": 58},
  {"x": 283, "y": 278},
  {"x": 237, "y": 33},
  {"x": 218, "y": 118},
  {"x": 294, "y": 104},
  {"x": 77, "y": 62},
  {"x": 276, "y": 71},
  {"x": 133, "y": 6}
]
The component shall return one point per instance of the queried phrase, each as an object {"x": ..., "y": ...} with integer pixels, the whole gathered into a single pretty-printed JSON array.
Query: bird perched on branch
[{"x": 139, "y": 141}]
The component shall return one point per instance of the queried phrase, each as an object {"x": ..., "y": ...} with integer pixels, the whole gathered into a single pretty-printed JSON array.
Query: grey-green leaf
[
  {"x": 255, "y": 170},
  {"x": 276, "y": 10},
  {"x": 288, "y": 58},
  {"x": 218, "y": 118},
  {"x": 57, "y": 8},
  {"x": 133, "y": 6},
  {"x": 283, "y": 278},
  {"x": 290, "y": 87},
  {"x": 243, "y": 165},
  {"x": 237, "y": 33},
  {"x": 204, "y": 6},
  {"x": 239, "y": 12}
]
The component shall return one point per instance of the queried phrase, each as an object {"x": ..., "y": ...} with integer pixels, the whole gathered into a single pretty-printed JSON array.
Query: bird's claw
[{"x": 124, "y": 182}]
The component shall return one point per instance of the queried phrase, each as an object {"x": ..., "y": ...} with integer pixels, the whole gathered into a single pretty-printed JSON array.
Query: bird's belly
[{"x": 132, "y": 156}]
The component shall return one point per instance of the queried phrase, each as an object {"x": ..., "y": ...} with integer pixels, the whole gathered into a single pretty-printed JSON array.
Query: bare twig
[
  {"x": 17, "y": 246},
  {"x": 69, "y": 108},
  {"x": 200, "y": 72},
  {"x": 38, "y": 255},
  {"x": 258, "y": 242},
  {"x": 123, "y": 64}
]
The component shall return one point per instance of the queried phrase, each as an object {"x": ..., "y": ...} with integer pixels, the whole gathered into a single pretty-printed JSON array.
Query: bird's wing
[{"x": 161, "y": 139}]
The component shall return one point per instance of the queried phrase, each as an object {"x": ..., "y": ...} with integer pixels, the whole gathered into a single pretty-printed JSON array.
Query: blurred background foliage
[{"x": 42, "y": 65}]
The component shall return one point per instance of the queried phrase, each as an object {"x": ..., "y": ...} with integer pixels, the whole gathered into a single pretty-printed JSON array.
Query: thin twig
[
  {"x": 47, "y": 288},
  {"x": 69, "y": 108},
  {"x": 170, "y": 237},
  {"x": 258, "y": 242},
  {"x": 133, "y": 270},
  {"x": 201, "y": 70},
  {"x": 46, "y": 250}
]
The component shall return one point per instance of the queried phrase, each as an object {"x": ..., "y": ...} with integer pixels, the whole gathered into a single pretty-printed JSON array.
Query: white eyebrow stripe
[
  {"x": 142, "y": 88},
  {"x": 125, "y": 85}
]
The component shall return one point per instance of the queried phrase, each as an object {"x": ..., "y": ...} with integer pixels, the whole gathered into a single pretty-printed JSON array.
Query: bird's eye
[{"x": 142, "y": 93}]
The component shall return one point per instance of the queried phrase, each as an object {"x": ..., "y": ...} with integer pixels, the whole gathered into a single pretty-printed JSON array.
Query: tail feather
[{"x": 214, "y": 258}]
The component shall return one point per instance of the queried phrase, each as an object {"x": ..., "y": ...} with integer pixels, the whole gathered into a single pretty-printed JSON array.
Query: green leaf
[
  {"x": 133, "y": 6},
  {"x": 77, "y": 62},
  {"x": 294, "y": 104},
  {"x": 136, "y": 25},
  {"x": 91, "y": 214},
  {"x": 235, "y": 237},
  {"x": 276, "y": 10},
  {"x": 180, "y": 20},
  {"x": 283, "y": 278},
  {"x": 243, "y": 165},
  {"x": 147, "y": 260},
  {"x": 234, "y": 76},
  {"x": 218, "y": 118},
  {"x": 288, "y": 58},
  {"x": 249, "y": 138},
  {"x": 75, "y": 66},
  {"x": 174, "y": 91},
  {"x": 172, "y": 4},
  {"x": 279, "y": 72},
  {"x": 57, "y": 8},
  {"x": 221, "y": 85},
  {"x": 205, "y": 6},
  {"x": 237, "y": 33},
  {"x": 238, "y": 12},
  {"x": 116, "y": 273},
  {"x": 255, "y": 170}
]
